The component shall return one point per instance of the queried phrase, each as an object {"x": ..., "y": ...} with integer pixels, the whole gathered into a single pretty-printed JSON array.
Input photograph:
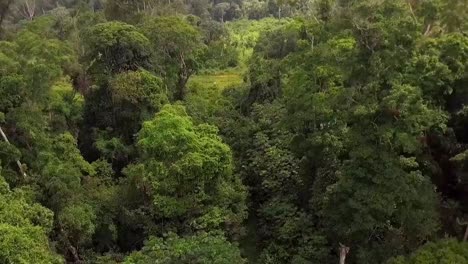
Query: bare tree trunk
[
  {"x": 184, "y": 75},
  {"x": 464, "y": 223},
  {"x": 428, "y": 30},
  {"x": 30, "y": 9},
  {"x": 344, "y": 250},
  {"x": 27, "y": 9},
  {"x": 20, "y": 166},
  {"x": 181, "y": 86},
  {"x": 412, "y": 12}
]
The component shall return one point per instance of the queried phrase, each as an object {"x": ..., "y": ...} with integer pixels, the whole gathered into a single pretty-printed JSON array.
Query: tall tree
[
  {"x": 185, "y": 175},
  {"x": 176, "y": 45}
]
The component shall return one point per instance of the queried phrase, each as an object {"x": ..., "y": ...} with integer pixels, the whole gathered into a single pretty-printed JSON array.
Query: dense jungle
[{"x": 234, "y": 131}]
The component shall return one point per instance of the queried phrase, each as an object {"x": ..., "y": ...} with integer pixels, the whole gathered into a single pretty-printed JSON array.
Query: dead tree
[{"x": 27, "y": 9}]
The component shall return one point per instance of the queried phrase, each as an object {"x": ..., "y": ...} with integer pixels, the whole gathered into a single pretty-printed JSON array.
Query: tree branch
[{"x": 18, "y": 162}]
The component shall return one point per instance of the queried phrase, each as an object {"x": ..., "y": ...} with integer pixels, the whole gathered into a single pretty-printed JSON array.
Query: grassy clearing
[{"x": 220, "y": 80}]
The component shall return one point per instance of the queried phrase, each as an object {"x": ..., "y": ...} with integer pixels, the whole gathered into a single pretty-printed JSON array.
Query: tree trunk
[
  {"x": 181, "y": 89},
  {"x": 184, "y": 74},
  {"x": 20, "y": 166},
  {"x": 465, "y": 237},
  {"x": 464, "y": 223},
  {"x": 344, "y": 250}
]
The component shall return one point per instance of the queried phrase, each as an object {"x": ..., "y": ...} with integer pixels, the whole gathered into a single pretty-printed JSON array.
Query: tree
[
  {"x": 443, "y": 251},
  {"x": 360, "y": 126},
  {"x": 126, "y": 93},
  {"x": 284, "y": 226},
  {"x": 220, "y": 10},
  {"x": 24, "y": 227},
  {"x": 175, "y": 44},
  {"x": 197, "y": 249},
  {"x": 114, "y": 47},
  {"x": 186, "y": 173},
  {"x": 267, "y": 63},
  {"x": 128, "y": 98}
]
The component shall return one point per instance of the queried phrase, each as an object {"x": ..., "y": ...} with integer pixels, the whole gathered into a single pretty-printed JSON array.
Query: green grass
[
  {"x": 220, "y": 80},
  {"x": 205, "y": 98}
]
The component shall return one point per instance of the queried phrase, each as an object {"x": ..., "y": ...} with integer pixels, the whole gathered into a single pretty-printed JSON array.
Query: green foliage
[
  {"x": 114, "y": 47},
  {"x": 342, "y": 122},
  {"x": 186, "y": 171},
  {"x": 78, "y": 221},
  {"x": 266, "y": 67},
  {"x": 206, "y": 101},
  {"x": 65, "y": 107},
  {"x": 202, "y": 248},
  {"x": 25, "y": 245},
  {"x": 139, "y": 87},
  {"x": 444, "y": 251},
  {"x": 31, "y": 65},
  {"x": 176, "y": 45},
  {"x": 136, "y": 96},
  {"x": 439, "y": 65},
  {"x": 245, "y": 33},
  {"x": 24, "y": 226},
  {"x": 128, "y": 98}
]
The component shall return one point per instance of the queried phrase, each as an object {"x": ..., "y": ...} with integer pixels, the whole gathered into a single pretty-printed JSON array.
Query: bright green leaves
[
  {"x": 197, "y": 249},
  {"x": 186, "y": 171},
  {"x": 138, "y": 87},
  {"x": 25, "y": 245},
  {"x": 440, "y": 252},
  {"x": 78, "y": 221},
  {"x": 24, "y": 227},
  {"x": 42, "y": 62},
  {"x": 65, "y": 107},
  {"x": 172, "y": 35},
  {"x": 169, "y": 136},
  {"x": 62, "y": 168}
]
